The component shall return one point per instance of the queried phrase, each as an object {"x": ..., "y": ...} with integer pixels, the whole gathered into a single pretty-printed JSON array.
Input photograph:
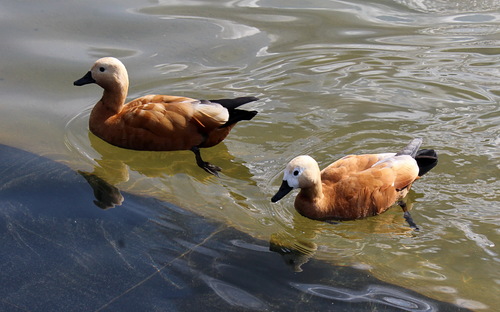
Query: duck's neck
[
  {"x": 114, "y": 97},
  {"x": 312, "y": 202},
  {"x": 313, "y": 193}
]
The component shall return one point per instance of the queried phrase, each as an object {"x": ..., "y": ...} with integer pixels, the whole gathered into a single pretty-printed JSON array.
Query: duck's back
[
  {"x": 358, "y": 186},
  {"x": 350, "y": 164}
]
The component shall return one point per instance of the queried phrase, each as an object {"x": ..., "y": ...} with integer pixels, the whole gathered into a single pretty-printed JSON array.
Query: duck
[
  {"x": 158, "y": 122},
  {"x": 356, "y": 186}
]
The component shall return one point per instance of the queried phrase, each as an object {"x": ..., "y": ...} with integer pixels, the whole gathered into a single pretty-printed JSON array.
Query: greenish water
[
  {"x": 62, "y": 253},
  {"x": 334, "y": 77}
]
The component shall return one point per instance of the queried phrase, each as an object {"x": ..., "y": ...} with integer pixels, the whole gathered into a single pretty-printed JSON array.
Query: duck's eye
[
  {"x": 295, "y": 172},
  {"x": 102, "y": 69}
]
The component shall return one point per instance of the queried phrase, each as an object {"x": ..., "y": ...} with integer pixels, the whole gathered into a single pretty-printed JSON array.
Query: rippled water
[{"x": 334, "y": 77}]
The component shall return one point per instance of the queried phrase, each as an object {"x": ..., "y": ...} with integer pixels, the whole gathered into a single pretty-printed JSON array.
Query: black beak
[
  {"x": 85, "y": 80},
  {"x": 284, "y": 189}
]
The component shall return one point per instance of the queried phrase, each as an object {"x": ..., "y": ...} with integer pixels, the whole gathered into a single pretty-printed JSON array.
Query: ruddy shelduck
[
  {"x": 355, "y": 186},
  {"x": 158, "y": 122}
]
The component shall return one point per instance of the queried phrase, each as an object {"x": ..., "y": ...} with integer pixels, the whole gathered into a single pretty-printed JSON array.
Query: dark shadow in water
[{"x": 61, "y": 253}]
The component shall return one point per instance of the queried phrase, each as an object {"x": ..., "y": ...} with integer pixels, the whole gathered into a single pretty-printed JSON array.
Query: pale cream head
[
  {"x": 302, "y": 172},
  {"x": 109, "y": 72}
]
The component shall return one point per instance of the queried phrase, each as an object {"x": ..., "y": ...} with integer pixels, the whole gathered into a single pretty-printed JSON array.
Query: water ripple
[
  {"x": 373, "y": 293},
  {"x": 233, "y": 295},
  {"x": 451, "y": 6}
]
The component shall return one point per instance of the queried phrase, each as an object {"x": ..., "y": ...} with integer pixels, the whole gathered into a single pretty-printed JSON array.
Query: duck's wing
[
  {"x": 351, "y": 164},
  {"x": 389, "y": 168},
  {"x": 404, "y": 168},
  {"x": 170, "y": 115}
]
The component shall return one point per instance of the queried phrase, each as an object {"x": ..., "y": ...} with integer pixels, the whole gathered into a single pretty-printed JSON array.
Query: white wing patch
[
  {"x": 404, "y": 167},
  {"x": 384, "y": 157},
  {"x": 396, "y": 161},
  {"x": 214, "y": 111}
]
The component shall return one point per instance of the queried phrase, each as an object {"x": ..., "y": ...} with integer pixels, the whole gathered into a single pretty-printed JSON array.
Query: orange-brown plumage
[
  {"x": 158, "y": 122},
  {"x": 355, "y": 186}
]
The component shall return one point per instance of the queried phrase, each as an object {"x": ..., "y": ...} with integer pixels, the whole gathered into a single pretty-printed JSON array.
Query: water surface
[
  {"x": 334, "y": 77},
  {"x": 62, "y": 253}
]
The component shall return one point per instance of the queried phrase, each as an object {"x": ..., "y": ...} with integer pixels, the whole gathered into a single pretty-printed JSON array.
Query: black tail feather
[
  {"x": 234, "y": 103},
  {"x": 426, "y": 160},
  {"x": 236, "y": 115}
]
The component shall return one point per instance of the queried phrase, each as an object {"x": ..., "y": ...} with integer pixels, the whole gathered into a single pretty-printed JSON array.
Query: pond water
[
  {"x": 62, "y": 253},
  {"x": 334, "y": 77}
]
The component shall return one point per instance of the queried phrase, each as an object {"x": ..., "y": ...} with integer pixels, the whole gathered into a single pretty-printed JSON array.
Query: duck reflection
[
  {"x": 114, "y": 165},
  {"x": 106, "y": 195},
  {"x": 297, "y": 244},
  {"x": 295, "y": 252}
]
